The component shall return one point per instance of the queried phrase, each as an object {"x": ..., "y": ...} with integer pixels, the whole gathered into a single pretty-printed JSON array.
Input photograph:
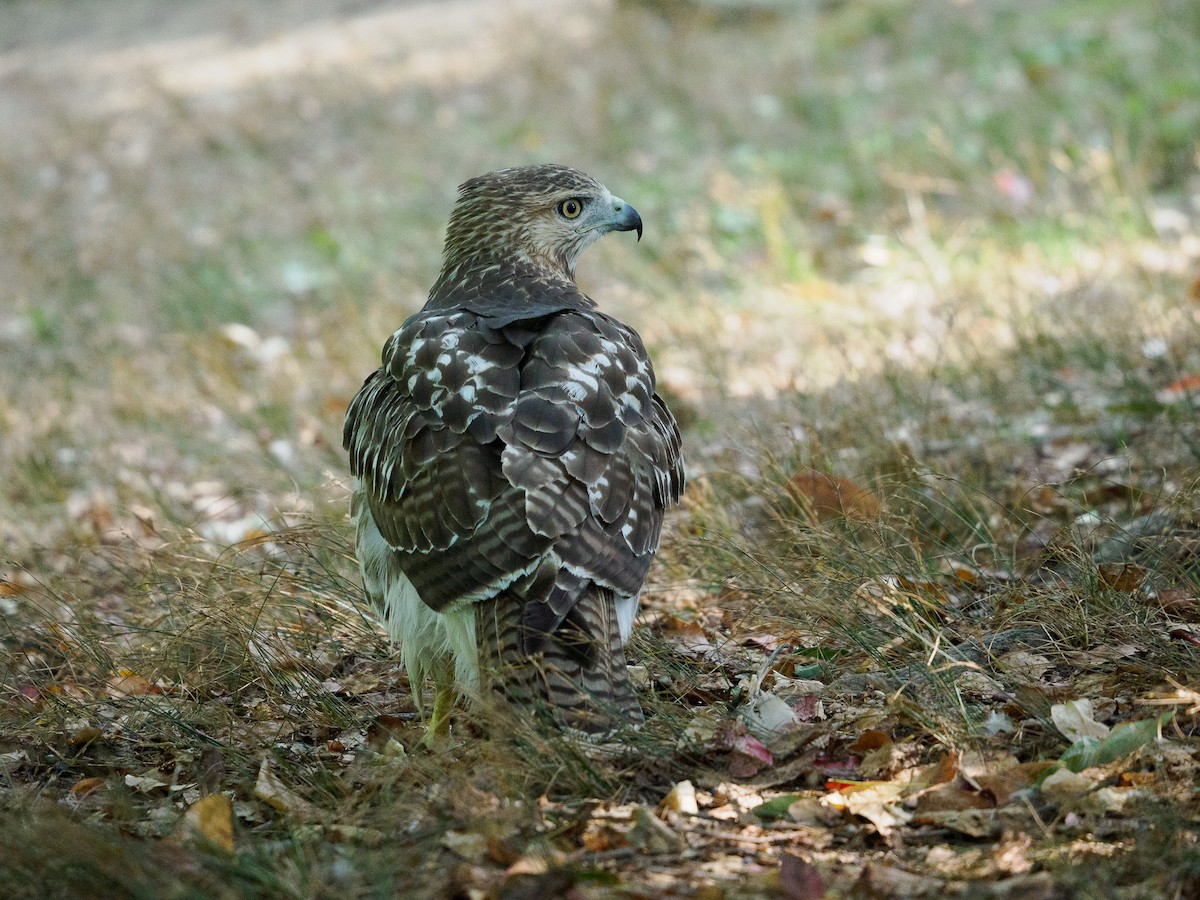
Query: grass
[{"x": 946, "y": 253}]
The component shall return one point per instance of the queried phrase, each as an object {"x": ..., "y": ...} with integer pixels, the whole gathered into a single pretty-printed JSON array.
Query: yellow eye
[{"x": 570, "y": 209}]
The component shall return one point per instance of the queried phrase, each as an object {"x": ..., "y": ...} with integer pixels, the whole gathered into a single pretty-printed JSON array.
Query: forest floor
[{"x": 921, "y": 281}]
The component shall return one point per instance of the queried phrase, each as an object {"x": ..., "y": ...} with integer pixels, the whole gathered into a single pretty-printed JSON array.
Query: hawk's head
[{"x": 544, "y": 214}]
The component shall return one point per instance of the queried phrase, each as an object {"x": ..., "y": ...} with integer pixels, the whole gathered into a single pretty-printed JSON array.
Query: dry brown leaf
[
  {"x": 273, "y": 792},
  {"x": 830, "y": 496},
  {"x": 1185, "y": 633},
  {"x": 976, "y": 823},
  {"x": 950, "y": 797},
  {"x": 1001, "y": 785},
  {"x": 688, "y": 638},
  {"x": 208, "y": 821},
  {"x": 879, "y": 802},
  {"x": 127, "y": 683},
  {"x": 1024, "y": 665},
  {"x": 870, "y": 739},
  {"x": 600, "y": 836},
  {"x": 85, "y": 786},
  {"x": 85, "y": 735},
  {"x": 799, "y": 879},
  {"x": 1179, "y": 602},
  {"x": 1123, "y": 577},
  {"x": 1097, "y": 657}
]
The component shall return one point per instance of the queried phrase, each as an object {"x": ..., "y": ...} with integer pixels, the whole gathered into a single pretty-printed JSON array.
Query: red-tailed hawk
[{"x": 513, "y": 461}]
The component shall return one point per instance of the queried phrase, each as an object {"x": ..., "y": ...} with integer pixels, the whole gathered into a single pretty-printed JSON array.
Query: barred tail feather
[{"x": 578, "y": 670}]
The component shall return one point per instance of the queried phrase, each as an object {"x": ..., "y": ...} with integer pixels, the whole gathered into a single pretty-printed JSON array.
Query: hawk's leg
[{"x": 444, "y": 697}]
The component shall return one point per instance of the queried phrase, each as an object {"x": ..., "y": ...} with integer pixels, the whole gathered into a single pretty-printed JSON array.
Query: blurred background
[{"x": 874, "y": 227}]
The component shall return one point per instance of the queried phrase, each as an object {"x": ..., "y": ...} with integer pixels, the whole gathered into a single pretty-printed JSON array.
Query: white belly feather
[{"x": 426, "y": 638}]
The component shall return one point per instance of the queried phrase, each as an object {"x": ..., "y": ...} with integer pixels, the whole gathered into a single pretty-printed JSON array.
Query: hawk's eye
[{"x": 570, "y": 209}]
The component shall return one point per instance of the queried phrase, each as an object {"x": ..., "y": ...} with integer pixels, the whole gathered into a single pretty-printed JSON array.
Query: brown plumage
[{"x": 513, "y": 461}]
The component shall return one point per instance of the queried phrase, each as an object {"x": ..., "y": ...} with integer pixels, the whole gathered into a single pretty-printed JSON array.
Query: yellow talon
[{"x": 443, "y": 705}]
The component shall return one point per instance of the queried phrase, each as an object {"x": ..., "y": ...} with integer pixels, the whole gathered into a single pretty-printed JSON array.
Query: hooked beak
[{"x": 626, "y": 217}]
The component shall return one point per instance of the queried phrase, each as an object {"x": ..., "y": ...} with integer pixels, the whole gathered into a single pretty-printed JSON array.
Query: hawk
[{"x": 513, "y": 462}]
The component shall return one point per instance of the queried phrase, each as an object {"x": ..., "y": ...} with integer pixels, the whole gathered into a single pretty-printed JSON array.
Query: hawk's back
[{"x": 513, "y": 465}]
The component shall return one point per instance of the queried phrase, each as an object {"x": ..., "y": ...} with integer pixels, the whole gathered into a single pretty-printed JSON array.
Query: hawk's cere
[{"x": 513, "y": 461}]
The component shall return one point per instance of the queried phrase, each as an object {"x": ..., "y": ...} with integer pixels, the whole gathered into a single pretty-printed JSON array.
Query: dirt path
[{"x": 97, "y": 58}]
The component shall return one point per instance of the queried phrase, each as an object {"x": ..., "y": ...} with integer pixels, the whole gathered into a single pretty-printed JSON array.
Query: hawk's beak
[{"x": 626, "y": 218}]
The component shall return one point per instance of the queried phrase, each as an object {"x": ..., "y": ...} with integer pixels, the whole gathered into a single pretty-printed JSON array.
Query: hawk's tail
[{"x": 578, "y": 670}]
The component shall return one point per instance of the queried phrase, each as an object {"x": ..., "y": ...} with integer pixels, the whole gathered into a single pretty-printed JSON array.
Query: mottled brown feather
[{"x": 512, "y": 451}]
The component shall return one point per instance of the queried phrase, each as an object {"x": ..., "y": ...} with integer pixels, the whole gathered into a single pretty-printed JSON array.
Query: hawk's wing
[{"x": 484, "y": 446}]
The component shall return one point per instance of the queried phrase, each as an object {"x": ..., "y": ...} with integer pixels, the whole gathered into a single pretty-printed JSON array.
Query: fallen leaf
[
  {"x": 690, "y": 639},
  {"x": 768, "y": 716},
  {"x": 747, "y": 754},
  {"x": 976, "y": 823},
  {"x": 829, "y": 496},
  {"x": 145, "y": 783},
  {"x": 869, "y": 740},
  {"x": 878, "y": 802},
  {"x": 85, "y": 786},
  {"x": 1122, "y": 741},
  {"x": 776, "y": 807},
  {"x": 126, "y": 683},
  {"x": 1063, "y": 785},
  {"x": 809, "y": 707},
  {"x": 1000, "y": 785},
  {"x": 950, "y": 797},
  {"x": 273, "y": 792},
  {"x": 1123, "y": 577},
  {"x": 1024, "y": 665},
  {"x": 85, "y": 735},
  {"x": 1186, "y": 633},
  {"x": 12, "y": 759},
  {"x": 681, "y": 798},
  {"x": 1074, "y": 720},
  {"x": 1098, "y": 656},
  {"x": 799, "y": 879},
  {"x": 209, "y": 821},
  {"x": 1176, "y": 601}
]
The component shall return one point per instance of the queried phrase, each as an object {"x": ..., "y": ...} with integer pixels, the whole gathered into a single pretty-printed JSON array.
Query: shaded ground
[{"x": 921, "y": 280}]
